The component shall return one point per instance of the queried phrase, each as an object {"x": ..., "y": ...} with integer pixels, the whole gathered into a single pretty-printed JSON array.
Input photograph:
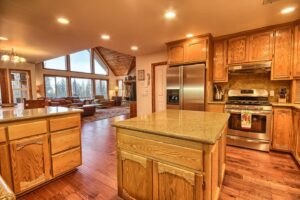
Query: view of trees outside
[
  {"x": 20, "y": 87},
  {"x": 82, "y": 88},
  {"x": 56, "y": 86},
  {"x": 102, "y": 88}
]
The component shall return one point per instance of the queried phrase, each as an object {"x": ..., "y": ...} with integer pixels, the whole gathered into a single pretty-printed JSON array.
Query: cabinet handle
[{"x": 21, "y": 146}]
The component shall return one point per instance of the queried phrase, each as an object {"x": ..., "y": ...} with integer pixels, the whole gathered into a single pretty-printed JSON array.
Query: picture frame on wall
[{"x": 141, "y": 75}]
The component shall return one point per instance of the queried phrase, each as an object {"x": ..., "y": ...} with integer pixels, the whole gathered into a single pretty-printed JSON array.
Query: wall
[
  {"x": 20, "y": 66},
  {"x": 144, "y": 88}
]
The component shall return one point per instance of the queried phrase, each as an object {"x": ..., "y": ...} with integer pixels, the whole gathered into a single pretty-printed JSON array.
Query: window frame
[
  {"x": 79, "y": 77},
  {"x": 51, "y": 75},
  {"x": 66, "y": 63}
]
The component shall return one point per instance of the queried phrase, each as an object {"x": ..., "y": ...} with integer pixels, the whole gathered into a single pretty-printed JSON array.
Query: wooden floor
[{"x": 250, "y": 175}]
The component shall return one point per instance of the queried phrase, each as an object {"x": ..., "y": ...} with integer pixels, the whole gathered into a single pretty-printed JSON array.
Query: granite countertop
[
  {"x": 292, "y": 105},
  {"x": 17, "y": 113},
  {"x": 5, "y": 192},
  {"x": 205, "y": 127},
  {"x": 216, "y": 102}
]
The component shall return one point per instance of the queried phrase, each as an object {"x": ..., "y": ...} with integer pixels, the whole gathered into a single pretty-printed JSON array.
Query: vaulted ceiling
[
  {"x": 32, "y": 29},
  {"x": 119, "y": 63}
]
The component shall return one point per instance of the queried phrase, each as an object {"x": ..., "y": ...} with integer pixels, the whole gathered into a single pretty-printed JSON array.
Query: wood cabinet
[
  {"x": 282, "y": 129},
  {"x": 30, "y": 162},
  {"x": 296, "y": 66},
  {"x": 171, "y": 182},
  {"x": 5, "y": 164},
  {"x": 296, "y": 135},
  {"x": 261, "y": 46},
  {"x": 211, "y": 107},
  {"x": 220, "y": 69},
  {"x": 282, "y": 61},
  {"x": 176, "y": 54},
  {"x": 238, "y": 50},
  {"x": 134, "y": 176}
]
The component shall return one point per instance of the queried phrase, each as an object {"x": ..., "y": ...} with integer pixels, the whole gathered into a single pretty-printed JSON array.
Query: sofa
[{"x": 65, "y": 102}]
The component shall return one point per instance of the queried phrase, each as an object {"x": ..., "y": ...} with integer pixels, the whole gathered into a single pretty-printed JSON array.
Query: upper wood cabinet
[
  {"x": 30, "y": 162},
  {"x": 282, "y": 61},
  {"x": 296, "y": 66},
  {"x": 188, "y": 51},
  {"x": 238, "y": 50},
  {"x": 220, "y": 70},
  {"x": 261, "y": 46},
  {"x": 282, "y": 130}
]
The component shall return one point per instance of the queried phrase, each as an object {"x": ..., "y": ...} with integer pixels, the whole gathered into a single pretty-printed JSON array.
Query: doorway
[
  {"x": 159, "y": 83},
  {"x": 20, "y": 85}
]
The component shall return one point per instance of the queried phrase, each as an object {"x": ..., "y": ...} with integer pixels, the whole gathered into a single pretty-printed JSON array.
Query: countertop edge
[{"x": 290, "y": 105}]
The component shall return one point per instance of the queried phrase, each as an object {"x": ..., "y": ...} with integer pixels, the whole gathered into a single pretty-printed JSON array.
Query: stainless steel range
[{"x": 253, "y": 102}]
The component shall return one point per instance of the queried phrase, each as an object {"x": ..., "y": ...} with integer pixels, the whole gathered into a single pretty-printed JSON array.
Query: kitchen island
[
  {"x": 173, "y": 154},
  {"x": 38, "y": 145}
]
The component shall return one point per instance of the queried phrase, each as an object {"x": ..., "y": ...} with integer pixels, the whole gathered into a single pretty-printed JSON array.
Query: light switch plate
[{"x": 272, "y": 93}]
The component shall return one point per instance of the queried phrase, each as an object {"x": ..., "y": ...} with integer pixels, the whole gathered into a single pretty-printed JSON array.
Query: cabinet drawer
[
  {"x": 2, "y": 134},
  {"x": 64, "y": 140},
  {"x": 61, "y": 123},
  {"x": 66, "y": 161},
  {"x": 187, "y": 157},
  {"x": 27, "y": 129}
]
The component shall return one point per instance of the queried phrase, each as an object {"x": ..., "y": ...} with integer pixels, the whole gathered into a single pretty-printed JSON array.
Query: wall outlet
[{"x": 272, "y": 93}]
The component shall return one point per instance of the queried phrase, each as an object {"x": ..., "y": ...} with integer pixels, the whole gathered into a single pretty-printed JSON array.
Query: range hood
[{"x": 250, "y": 68}]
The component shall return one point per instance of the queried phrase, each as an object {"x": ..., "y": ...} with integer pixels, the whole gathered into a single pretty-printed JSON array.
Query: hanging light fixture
[{"x": 12, "y": 57}]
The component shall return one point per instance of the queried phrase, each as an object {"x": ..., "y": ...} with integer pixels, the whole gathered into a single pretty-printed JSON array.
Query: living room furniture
[
  {"x": 133, "y": 110},
  {"x": 118, "y": 100},
  {"x": 104, "y": 102},
  {"x": 88, "y": 109},
  {"x": 29, "y": 104},
  {"x": 65, "y": 102}
]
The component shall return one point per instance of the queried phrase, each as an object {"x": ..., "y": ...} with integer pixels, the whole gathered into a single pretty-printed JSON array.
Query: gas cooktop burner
[{"x": 245, "y": 102}]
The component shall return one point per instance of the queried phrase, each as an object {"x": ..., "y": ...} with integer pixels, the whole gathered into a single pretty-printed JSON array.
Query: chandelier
[{"x": 12, "y": 57}]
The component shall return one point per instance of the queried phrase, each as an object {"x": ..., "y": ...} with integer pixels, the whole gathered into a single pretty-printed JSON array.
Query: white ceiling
[{"x": 32, "y": 30}]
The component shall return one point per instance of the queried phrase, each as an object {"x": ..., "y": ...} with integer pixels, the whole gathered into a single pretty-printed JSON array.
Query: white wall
[
  {"x": 20, "y": 66},
  {"x": 144, "y": 88}
]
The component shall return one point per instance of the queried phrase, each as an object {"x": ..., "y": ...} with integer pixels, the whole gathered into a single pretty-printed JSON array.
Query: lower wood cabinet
[
  {"x": 296, "y": 135},
  {"x": 30, "y": 162},
  {"x": 282, "y": 129},
  {"x": 4, "y": 164}
]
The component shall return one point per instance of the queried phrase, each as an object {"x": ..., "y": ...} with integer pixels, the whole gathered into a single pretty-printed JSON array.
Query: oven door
[{"x": 260, "y": 127}]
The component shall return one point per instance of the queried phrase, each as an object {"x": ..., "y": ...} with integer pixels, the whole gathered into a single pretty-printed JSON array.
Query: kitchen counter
[
  {"x": 216, "y": 102},
  {"x": 291, "y": 105},
  {"x": 198, "y": 126},
  {"x": 16, "y": 113},
  {"x": 5, "y": 192}
]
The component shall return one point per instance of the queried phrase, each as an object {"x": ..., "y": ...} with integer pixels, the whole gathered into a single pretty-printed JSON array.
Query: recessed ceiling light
[
  {"x": 3, "y": 38},
  {"x": 105, "y": 37},
  {"x": 134, "y": 48},
  {"x": 63, "y": 20},
  {"x": 170, "y": 14},
  {"x": 287, "y": 10},
  {"x": 189, "y": 35}
]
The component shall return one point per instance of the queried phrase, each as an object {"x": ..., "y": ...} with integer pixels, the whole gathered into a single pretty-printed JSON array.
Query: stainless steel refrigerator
[{"x": 186, "y": 87}]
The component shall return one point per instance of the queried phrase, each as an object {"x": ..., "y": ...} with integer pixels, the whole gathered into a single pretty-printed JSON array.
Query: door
[
  {"x": 134, "y": 176},
  {"x": 220, "y": 70},
  {"x": 296, "y": 70},
  {"x": 282, "y": 130},
  {"x": 4, "y": 97},
  {"x": 195, "y": 50},
  {"x": 261, "y": 46},
  {"x": 20, "y": 86},
  {"x": 193, "y": 90},
  {"x": 170, "y": 182},
  {"x": 238, "y": 50},
  {"x": 281, "y": 68},
  {"x": 160, "y": 87},
  {"x": 30, "y": 161}
]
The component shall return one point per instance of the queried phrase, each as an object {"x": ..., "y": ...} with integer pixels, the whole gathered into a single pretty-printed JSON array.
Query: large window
[
  {"x": 100, "y": 67},
  {"x": 56, "y": 86},
  {"x": 56, "y": 63},
  {"x": 20, "y": 84},
  {"x": 120, "y": 87},
  {"x": 102, "y": 88},
  {"x": 81, "y": 61},
  {"x": 82, "y": 87}
]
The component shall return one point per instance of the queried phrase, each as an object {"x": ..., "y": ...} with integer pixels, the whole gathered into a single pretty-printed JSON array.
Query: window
[
  {"x": 82, "y": 87},
  {"x": 120, "y": 87},
  {"x": 102, "y": 88},
  {"x": 81, "y": 61},
  {"x": 56, "y": 63},
  {"x": 56, "y": 86},
  {"x": 20, "y": 85},
  {"x": 99, "y": 66}
]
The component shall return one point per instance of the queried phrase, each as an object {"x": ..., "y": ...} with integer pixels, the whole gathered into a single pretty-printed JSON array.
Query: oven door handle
[
  {"x": 252, "y": 112},
  {"x": 248, "y": 140}
]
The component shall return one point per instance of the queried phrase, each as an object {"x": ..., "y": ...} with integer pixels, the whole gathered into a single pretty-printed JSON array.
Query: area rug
[{"x": 107, "y": 113}]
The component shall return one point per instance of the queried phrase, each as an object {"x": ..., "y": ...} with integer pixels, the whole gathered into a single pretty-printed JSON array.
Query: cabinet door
[
  {"x": 195, "y": 50},
  {"x": 176, "y": 54},
  {"x": 295, "y": 130},
  {"x": 134, "y": 176},
  {"x": 238, "y": 50},
  {"x": 282, "y": 130},
  {"x": 220, "y": 70},
  {"x": 170, "y": 182},
  {"x": 296, "y": 69},
  {"x": 281, "y": 67},
  {"x": 30, "y": 161},
  {"x": 261, "y": 46},
  {"x": 5, "y": 164},
  {"x": 297, "y": 133}
]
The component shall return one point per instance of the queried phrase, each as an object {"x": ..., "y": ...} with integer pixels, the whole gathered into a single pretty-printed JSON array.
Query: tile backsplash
[{"x": 256, "y": 81}]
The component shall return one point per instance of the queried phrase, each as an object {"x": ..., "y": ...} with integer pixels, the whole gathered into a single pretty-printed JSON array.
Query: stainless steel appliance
[
  {"x": 252, "y": 68},
  {"x": 254, "y": 101},
  {"x": 189, "y": 81}
]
